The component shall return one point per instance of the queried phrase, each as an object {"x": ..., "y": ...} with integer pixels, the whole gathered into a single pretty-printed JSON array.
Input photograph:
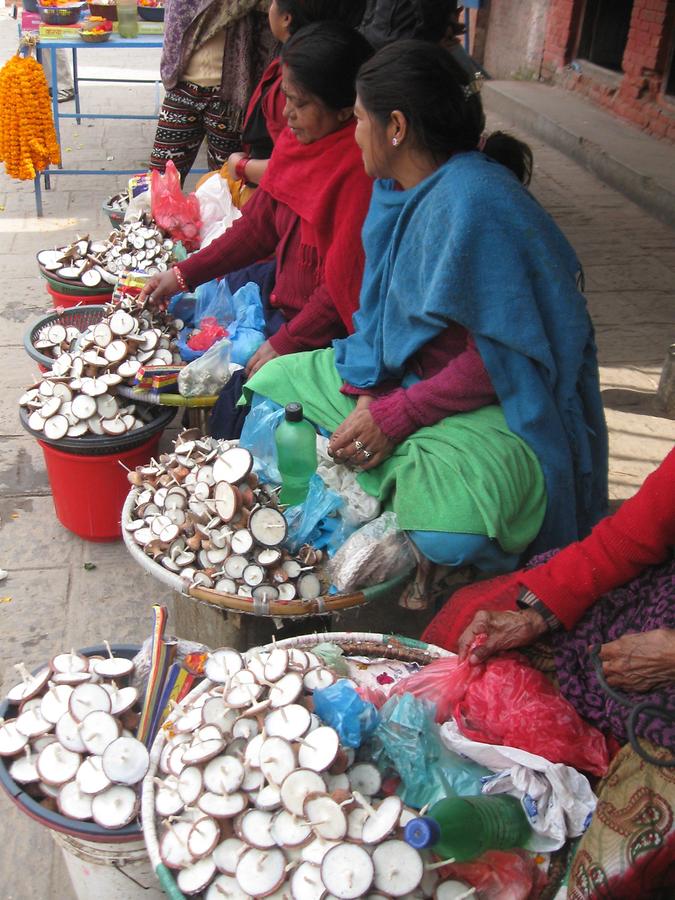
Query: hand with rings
[{"x": 359, "y": 442}]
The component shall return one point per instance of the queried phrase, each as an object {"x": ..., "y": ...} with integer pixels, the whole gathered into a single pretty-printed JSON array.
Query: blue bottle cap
[{"x": 422, "y": 832}]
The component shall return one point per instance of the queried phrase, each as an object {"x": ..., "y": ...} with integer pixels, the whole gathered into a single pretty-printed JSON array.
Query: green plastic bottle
[
  {"x": 295, "y": 438},
  {"x": 463, "y": 828}
]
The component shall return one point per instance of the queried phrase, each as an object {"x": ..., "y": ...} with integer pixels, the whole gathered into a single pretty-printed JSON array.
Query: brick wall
[{"x": 637, "y": 95}]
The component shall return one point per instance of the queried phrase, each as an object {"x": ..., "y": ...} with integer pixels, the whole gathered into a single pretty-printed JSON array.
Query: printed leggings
[{"x": 188, "y": 114}]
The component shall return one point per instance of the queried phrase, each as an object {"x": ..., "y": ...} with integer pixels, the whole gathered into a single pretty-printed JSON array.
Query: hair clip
[{"x": 474, "y": 86}]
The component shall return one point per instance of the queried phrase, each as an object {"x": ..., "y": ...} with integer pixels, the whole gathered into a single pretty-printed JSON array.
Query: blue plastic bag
[
  {"x": 408, "y": 741},
  {"x": 258, "y": 437},
  {"x": 341, "y": 707},
  {"x": 315, "y": 520},
  {"x": 247, "y": 328}
]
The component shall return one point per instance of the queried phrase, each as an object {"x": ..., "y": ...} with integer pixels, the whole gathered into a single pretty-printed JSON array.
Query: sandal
[{"x": 66, "y": 94}]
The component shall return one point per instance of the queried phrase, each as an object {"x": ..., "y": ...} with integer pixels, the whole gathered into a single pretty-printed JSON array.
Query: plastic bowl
[
  {"x": 151, "y": 13},
  {"x": 30, "y": 806},
  {"x": 61, "y": 15},
  {"x": 95, "y": 37}
]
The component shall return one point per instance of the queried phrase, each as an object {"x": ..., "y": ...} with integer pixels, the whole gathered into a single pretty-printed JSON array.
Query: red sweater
[
  {"x": 453, "y": 379},
  {"x": 270, "y": 228},
  {"x": 641, "y": 533}
]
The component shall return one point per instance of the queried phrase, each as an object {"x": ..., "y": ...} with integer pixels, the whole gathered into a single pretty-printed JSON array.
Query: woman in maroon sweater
[{"x": 310, "y": 207}]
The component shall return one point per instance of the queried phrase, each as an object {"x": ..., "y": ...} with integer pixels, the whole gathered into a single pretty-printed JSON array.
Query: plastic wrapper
[
  {"x": 172, "y": 210},
  {"x": 500, "y": 875},
  {"x": 359, "y": 507},
  {"x": 376, "y": 552},
  {"x": 332, "y": 656},
  {"x": 247, "y": 328},
  {"x": 216, "y": 208},
  {"x": 408, "y": 741},
  {"x": 143, "y": 659},
  {"x": 208, "y": 374},
  {"x": 341, "y": 707}
]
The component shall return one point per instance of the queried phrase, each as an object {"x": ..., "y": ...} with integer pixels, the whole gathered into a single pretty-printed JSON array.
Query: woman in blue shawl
[{"x": 456, "y": 245}]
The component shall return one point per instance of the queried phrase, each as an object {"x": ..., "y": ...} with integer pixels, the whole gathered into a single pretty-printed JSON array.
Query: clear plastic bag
[
  {"x": 359, "y": 507},
  {"x": 217, "y": 210},
  {"x": 376, "y": 552},
  {"x": 208, "y": 374},
  {"x": 408, "y": 740},
  {"x": 341, "y": 707}
]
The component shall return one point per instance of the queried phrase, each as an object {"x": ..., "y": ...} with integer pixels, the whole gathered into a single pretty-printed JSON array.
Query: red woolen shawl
[{"x": 325, "y": 184}]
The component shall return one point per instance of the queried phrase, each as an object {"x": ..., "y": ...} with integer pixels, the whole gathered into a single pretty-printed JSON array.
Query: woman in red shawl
[
  {"x": 310, "y": 206},
  {"x": 264, "y": 119}
]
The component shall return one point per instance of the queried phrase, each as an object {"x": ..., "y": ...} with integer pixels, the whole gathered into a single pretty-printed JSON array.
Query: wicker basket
[
  {"x": 75, "y": 317},
  {"x": 294, "y": 609},
  {"x": 355, "y": 643}
]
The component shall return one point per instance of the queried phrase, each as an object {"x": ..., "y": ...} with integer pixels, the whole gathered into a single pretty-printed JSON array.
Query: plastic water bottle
[
  {"x": 127, "y": 18},
  {"x": 463, "y": 828},
  {"x": 295, "y": 438}
]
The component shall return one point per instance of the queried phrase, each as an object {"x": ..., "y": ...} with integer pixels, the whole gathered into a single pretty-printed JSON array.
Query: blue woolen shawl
[{"x": 471, "y": 245}]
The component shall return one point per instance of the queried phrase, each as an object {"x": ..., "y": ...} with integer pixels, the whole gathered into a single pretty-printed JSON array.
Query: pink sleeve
[{"x": 461, "y": 385}]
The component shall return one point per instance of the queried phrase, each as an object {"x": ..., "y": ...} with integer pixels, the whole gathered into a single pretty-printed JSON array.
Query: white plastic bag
[
  {"x": 376, "y": 552},
  {"x": 217, "y": 210},
  {"x": 208, "y": 374},
  {"x": 359, "y": 507}
]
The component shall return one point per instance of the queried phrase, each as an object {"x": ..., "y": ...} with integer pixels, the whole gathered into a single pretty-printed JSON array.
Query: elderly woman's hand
[
  {"x": 640, "y": 662},
  {"x": 505, "y": 631},
  {"x": 358, "y": 441}
]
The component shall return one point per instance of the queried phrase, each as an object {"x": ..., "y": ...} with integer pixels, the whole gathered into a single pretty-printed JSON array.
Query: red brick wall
[{"x": 638, "y": 95}]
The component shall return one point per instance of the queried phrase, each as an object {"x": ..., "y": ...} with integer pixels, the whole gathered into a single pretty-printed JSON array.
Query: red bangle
[
  {"x": 180, "y": 278},
  {"x": 240, "y": 168}
]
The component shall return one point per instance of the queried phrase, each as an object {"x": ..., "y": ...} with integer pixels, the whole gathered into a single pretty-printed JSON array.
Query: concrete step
[{"x": 640, "y": 166}]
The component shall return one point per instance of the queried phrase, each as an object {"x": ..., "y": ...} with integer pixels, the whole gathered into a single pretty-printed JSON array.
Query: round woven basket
[
  {"x": 80, "y": 317},
  {"x": 294, "y": 609},
  {"x": 357, "y": 643}
]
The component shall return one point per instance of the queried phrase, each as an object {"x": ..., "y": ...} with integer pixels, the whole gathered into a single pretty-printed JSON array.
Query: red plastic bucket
[
  {"x": 89, "y": 491},
  {"x": 67, "y": 300}
]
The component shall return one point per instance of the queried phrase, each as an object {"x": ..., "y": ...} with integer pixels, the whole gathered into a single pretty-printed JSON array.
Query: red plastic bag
[
  {"x": 513, "y": 704},
  {"x": 500, "y": 875},
  {"x": 505, "y": 701},
  {"x": 172, "y": 210},
  {"x": 208, "y": 333}
]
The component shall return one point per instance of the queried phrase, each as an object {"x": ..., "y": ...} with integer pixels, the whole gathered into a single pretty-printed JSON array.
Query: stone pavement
[{"x": 50, "y": 601}]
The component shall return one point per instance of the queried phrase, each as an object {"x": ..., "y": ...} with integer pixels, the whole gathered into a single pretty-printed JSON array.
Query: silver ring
[
  {"x": 358, "y": 445},
  {"x": 366, "y": 453}
]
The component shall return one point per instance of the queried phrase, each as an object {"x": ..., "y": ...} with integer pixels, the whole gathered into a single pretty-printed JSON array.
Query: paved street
[{"x": 51, "y": 600}]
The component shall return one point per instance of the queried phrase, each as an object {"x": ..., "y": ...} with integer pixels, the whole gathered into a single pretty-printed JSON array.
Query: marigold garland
[{"x": 27, "y": 137}]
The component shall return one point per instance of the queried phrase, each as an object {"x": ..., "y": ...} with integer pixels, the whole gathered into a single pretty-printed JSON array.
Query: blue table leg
[
  {"x": 38, "y": 196},
  {"x": 76, "y": 86},
  {"x": 55, "y": 99}
]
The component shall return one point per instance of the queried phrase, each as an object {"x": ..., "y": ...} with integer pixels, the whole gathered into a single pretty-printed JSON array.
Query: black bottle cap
[{"x": 294, "y": 412}]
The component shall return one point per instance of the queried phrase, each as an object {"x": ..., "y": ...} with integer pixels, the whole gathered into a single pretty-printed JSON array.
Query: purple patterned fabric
[{"x": 643, "y": 604}]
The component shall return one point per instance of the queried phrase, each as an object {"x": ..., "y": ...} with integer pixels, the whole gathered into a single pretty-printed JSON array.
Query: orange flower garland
[{"x": 27, "y": 137}]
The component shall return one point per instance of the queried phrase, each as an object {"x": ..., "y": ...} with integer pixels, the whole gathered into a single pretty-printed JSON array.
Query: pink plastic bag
[
  {"x": 444, "y": 682},
  {"x": 172, "y": 210}
]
